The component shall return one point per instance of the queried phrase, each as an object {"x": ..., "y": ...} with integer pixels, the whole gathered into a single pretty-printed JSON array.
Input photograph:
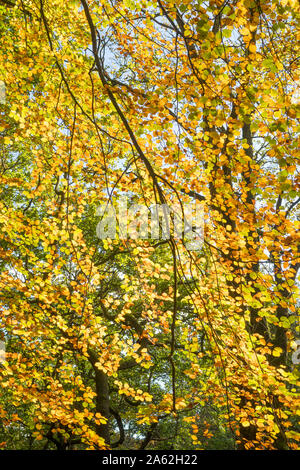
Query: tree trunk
[{"x": 102, "y": 398}]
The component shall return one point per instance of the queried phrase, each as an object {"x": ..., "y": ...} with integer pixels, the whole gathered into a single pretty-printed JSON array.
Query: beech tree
[{"x": 134, "y": 343}]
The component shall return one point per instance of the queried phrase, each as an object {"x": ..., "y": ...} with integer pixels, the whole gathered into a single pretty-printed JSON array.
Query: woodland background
[{"x": 134, "y": 344}]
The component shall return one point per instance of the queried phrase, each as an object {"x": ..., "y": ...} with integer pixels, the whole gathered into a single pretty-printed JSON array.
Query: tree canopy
[{"x": 134, "y": 343}]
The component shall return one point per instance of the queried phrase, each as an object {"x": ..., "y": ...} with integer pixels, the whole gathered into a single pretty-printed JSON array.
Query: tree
[{"x": 135, "y": 343}]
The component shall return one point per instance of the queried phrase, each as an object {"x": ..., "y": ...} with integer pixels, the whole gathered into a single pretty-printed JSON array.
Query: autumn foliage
[{"x": 142, "y": 343}]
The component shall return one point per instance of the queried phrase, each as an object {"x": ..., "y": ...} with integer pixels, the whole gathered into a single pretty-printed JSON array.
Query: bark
[{"x": 102, "y": 398}]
